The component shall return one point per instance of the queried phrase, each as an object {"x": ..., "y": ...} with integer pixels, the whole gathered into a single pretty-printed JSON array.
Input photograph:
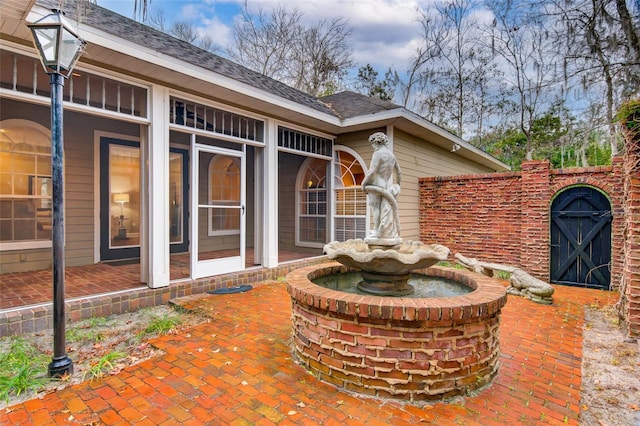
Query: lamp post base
[{"x": 62, "y": 366}]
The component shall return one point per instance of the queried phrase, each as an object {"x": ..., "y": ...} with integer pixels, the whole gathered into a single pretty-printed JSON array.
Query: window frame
[
  {"x": 336, "y": 188},
  {"x": 298, "y": 200},
  {"x": 28, "y": 244}
]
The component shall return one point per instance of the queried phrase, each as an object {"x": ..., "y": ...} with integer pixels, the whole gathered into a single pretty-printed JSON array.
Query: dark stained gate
[{"x": 581, "y": 238}]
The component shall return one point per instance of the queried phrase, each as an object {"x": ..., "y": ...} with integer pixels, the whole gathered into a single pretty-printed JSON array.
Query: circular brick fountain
[{"x": 414, "y": 349}]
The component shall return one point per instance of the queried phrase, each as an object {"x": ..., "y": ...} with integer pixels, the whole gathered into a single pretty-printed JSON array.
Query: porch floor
[{"x": 21, "y": 289}]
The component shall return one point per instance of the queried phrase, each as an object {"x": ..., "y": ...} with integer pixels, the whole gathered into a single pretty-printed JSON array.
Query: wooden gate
[{"x": 581, "y": 238}]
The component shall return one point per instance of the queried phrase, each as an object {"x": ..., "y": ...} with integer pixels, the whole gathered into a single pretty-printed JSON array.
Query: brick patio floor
[
  {"x": 237, "y": 370},
  {"x": 19, "y": 289}
]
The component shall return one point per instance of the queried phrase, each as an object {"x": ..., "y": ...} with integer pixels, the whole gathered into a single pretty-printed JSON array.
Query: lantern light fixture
[{"x": 59, "y": 45}]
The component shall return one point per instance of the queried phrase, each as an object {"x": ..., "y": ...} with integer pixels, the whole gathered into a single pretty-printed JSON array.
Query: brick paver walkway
[{"x": 237, "y": 370}]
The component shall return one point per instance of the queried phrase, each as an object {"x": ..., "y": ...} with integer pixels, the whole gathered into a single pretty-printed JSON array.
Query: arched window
[
  {"x": 224, "y": 189},
  {"x": 311, "y": 229},
  {"x": 25, "y": 185},
  {"x": 350, "y": 217}
]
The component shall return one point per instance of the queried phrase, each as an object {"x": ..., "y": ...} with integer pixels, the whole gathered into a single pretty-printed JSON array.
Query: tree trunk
[{"x": 633, "y": 40}]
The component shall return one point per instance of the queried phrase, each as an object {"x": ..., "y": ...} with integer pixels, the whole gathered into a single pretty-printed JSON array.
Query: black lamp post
[{"x": 59, "y": 47}]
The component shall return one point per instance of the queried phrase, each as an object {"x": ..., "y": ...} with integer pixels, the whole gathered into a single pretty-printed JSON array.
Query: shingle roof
[
  {"x": 351, "y": 104},
  {"x": 126, "y": 28}
]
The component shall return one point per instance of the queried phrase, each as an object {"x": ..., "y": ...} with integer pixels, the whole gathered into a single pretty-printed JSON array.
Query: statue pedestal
[
  {"x": 382, "y": 243},
  {"x": 385, "y": 285}
]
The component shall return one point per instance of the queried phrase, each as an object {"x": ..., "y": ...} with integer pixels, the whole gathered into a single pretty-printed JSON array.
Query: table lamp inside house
[{"x": 122, "y": 231}]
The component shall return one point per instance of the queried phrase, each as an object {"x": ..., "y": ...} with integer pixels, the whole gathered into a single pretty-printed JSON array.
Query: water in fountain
[{"x": 424, "y": 286}]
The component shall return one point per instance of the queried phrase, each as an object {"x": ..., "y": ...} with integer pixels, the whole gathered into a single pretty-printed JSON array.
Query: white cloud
[
  {"x": 386, "y": 32},
  {"x": 219, "y": 32}
]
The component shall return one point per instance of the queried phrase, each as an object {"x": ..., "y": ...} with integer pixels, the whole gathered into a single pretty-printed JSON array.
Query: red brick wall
[
  {"x": 504, "y": 217},
  {"x": 630, "y": 289}
]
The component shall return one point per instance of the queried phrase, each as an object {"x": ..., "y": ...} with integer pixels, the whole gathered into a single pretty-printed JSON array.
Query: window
[
  {"x": 224, "y": 190},
  {"x": 25, "y": 185},
  {"x": 350, "y": 220},
  {"x": 312, "y": 203},
  {"x": 176, "y": 197},
  {"x": 124, "y": 194}
]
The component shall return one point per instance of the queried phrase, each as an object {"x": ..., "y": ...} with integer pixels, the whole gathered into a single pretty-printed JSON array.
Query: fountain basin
[
  {"x": 398, "y": 260},
  {"x": 386, "y": 270},
  {"x": 417, "y": 350}
]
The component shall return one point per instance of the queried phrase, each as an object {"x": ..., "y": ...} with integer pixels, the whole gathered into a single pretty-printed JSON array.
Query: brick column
[
  {"x": 534, "y": 256},
  {"x": 617, "y": 230},
  {"x": 631, "y": 269},
  {"x": 630, "y": 288}
]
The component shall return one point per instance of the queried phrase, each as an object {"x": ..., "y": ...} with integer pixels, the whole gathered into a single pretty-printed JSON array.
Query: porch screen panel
[
  {"x": 24, "y": 74},
  {"x": 224, "y": 191},
  {"x": 295, "y": 141},
  {"x": 214, "y": 120},
  {"x": 219, "y": 206}
]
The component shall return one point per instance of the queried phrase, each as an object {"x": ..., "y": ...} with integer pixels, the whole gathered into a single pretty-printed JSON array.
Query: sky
[{"x": 386, "y": 32}]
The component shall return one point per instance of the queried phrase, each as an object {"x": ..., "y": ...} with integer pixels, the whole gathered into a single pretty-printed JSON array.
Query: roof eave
[
  {"x": 444, "y": 138},
  {"x": 96, "y": 36}
]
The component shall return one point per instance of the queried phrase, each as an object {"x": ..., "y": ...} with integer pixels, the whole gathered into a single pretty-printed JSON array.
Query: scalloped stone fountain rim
[{"x": 487, "y": 297}]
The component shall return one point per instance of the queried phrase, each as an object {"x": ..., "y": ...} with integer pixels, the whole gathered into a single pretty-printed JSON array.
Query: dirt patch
[
  {"x": 610, "y": 372},
  {"x": 90, "y": 341}
]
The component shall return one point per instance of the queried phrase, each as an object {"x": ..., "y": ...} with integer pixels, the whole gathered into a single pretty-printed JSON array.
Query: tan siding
[
  {"x": 25, "y": 260},
  {"x": 417, "y": 158}
]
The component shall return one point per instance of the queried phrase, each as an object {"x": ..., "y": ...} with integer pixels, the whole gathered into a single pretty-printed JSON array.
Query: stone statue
[
  {"x": 382, "y": 183},
  {"x": 520, "y": 283},
  {"x": 384, "y": 260}
]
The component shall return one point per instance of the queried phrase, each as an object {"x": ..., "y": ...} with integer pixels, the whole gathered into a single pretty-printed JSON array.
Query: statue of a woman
[{"x": 382, "y": 183}]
